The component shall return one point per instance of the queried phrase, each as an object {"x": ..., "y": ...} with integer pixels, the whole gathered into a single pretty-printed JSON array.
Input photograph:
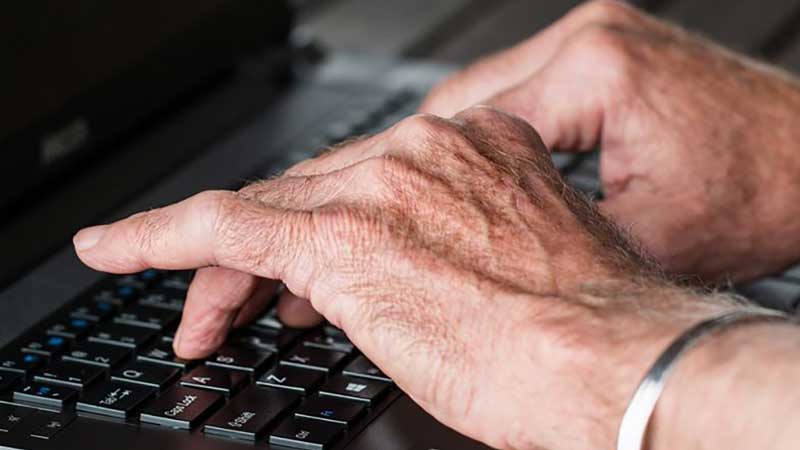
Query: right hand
[
  {"x": 700, "y": 155},
  {"x": 452, "y": 254}
]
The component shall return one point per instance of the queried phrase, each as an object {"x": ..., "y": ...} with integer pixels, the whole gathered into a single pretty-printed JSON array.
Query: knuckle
[
  {"x": 428, "y": 139},
  {"x": 482, "y": 113},
  {"x": 600, "y": 38},
  {"x": 605, "y": 47},
  {"x": 209, "y": 202},
  {"x": 220, "y": 213},
  {"x": 509, "y": 127},
  {"x": 422, "y": 126},
  {"x": 211, "y": 207}
]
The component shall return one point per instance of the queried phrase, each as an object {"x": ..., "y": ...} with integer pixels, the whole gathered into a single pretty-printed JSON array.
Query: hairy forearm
[{"x": 736, "y": 391}]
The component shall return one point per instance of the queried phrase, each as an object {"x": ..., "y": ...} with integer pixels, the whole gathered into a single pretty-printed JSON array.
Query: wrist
[
  {"x": 653, "y": 316},
  {"x": 735, "y": 391}
]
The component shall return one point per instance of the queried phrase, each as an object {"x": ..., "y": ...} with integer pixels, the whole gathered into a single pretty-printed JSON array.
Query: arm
[{"x": 737, "y": 391}]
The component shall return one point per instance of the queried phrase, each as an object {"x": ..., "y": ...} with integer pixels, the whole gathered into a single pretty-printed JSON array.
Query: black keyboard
[{"x": 108, "y": 355}]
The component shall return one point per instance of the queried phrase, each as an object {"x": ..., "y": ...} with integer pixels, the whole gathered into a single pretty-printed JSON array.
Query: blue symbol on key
[
  {"x": 43, "y": 390},
  {"x": 55, "y": 341},
  {"x": 80, "y": 323},
  {"x": 125, "y": 291},
  {"x": 104, "y": 306},
  {"x": 149, "y": 275},
  {"x": 327, "y": 413},
  {"x": 30, "y": 358}
]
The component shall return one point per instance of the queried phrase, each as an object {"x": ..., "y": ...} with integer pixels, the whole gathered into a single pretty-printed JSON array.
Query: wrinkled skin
[
  {"x": 454, "y": 256},
  {"x": 699, "y": 145}
]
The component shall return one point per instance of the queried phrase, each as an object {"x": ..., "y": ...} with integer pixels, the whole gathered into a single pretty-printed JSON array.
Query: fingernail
[{"x": 88, "y": 237}]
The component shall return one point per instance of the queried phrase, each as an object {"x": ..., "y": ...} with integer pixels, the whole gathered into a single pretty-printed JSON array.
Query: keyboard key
[
  {"x": 362, "y": 367},
  {"x": 331, "y": 409},
  {"x": 264, "y": 339},
  {"x": 51, "y": 395},
  {"x": 115, "y": 399},
  {"x": 331, "y": 341},
  {"x": 168, "y": 335},
  {"x": 145, "y": 316},
  {"x": 214, "y": 379},
  {"x": 181, "y": 408},
  {"x": 314, "y": 358},
  {"x": 250, "y": 413},
  {"x": 133, "y": 281},
  {"x": 70, "y": 374},
  {"x": 793, "y": 273},
  {"x": 72, "y": 328},
  {"x": 23, "y": 363},
  {"x": 97, "y": 354},
  {"x": 162, "y": 353},
  {"x": 305, "y": 434},
  {"x": 333, "y": 331},
  {"x": 120, "y": 295},
  {"x": 178, "y": 281},
  {"x": 9, "y": 380},
  {"x": 564, "y": 161},
  {"x": 230, "y": 357},
  {"x": 13, "y": 416},
  {"x": 776, "y": 293},
  {"x": 358, "y": 389},
  {"x": 292, "y": 378},
  {"x": 161, "y": 298},
  {"x": 149, "y": 277},
  {"x": 589, "y": 184},
  {"x": 145, "y": 374},
  {"x": 47, "y": 345},
  {"x": 122, "y": 335},
  {"x": 93, "y": 311},
  {"x": 269, "y": 320},
  {"x": 48, "y": 424}
]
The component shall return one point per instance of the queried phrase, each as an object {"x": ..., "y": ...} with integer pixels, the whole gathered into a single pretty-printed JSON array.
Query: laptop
[{"x": 110, "y": 108}]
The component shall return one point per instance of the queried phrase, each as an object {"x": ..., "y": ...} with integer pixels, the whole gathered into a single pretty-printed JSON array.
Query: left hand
[
  {"x": 699, "y": 154},
  {"x": 454, "y": 256}
]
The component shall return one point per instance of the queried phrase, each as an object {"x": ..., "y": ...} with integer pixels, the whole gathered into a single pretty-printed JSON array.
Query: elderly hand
[
  {"x": 699, "y": 145},
  {"x": 453, "y": 255}
]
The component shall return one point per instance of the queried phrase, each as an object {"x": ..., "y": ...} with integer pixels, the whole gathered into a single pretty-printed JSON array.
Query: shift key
[
  {"x": 249, "y": 414},
  {"x": 181, "y": 408}
]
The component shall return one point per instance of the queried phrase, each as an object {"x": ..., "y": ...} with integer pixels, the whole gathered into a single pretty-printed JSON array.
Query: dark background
[{"x": 459, "y": 31}]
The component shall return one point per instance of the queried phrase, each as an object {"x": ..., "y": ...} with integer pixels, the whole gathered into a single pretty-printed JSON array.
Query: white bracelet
[{"x": 633, "y": 428}]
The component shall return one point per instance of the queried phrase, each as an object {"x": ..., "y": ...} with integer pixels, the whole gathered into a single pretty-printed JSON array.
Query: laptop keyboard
[{"x": 108, "y": 354}]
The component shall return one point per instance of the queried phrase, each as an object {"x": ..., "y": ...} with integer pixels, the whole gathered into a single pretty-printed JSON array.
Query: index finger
[{"x": 213, "y": 228}]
